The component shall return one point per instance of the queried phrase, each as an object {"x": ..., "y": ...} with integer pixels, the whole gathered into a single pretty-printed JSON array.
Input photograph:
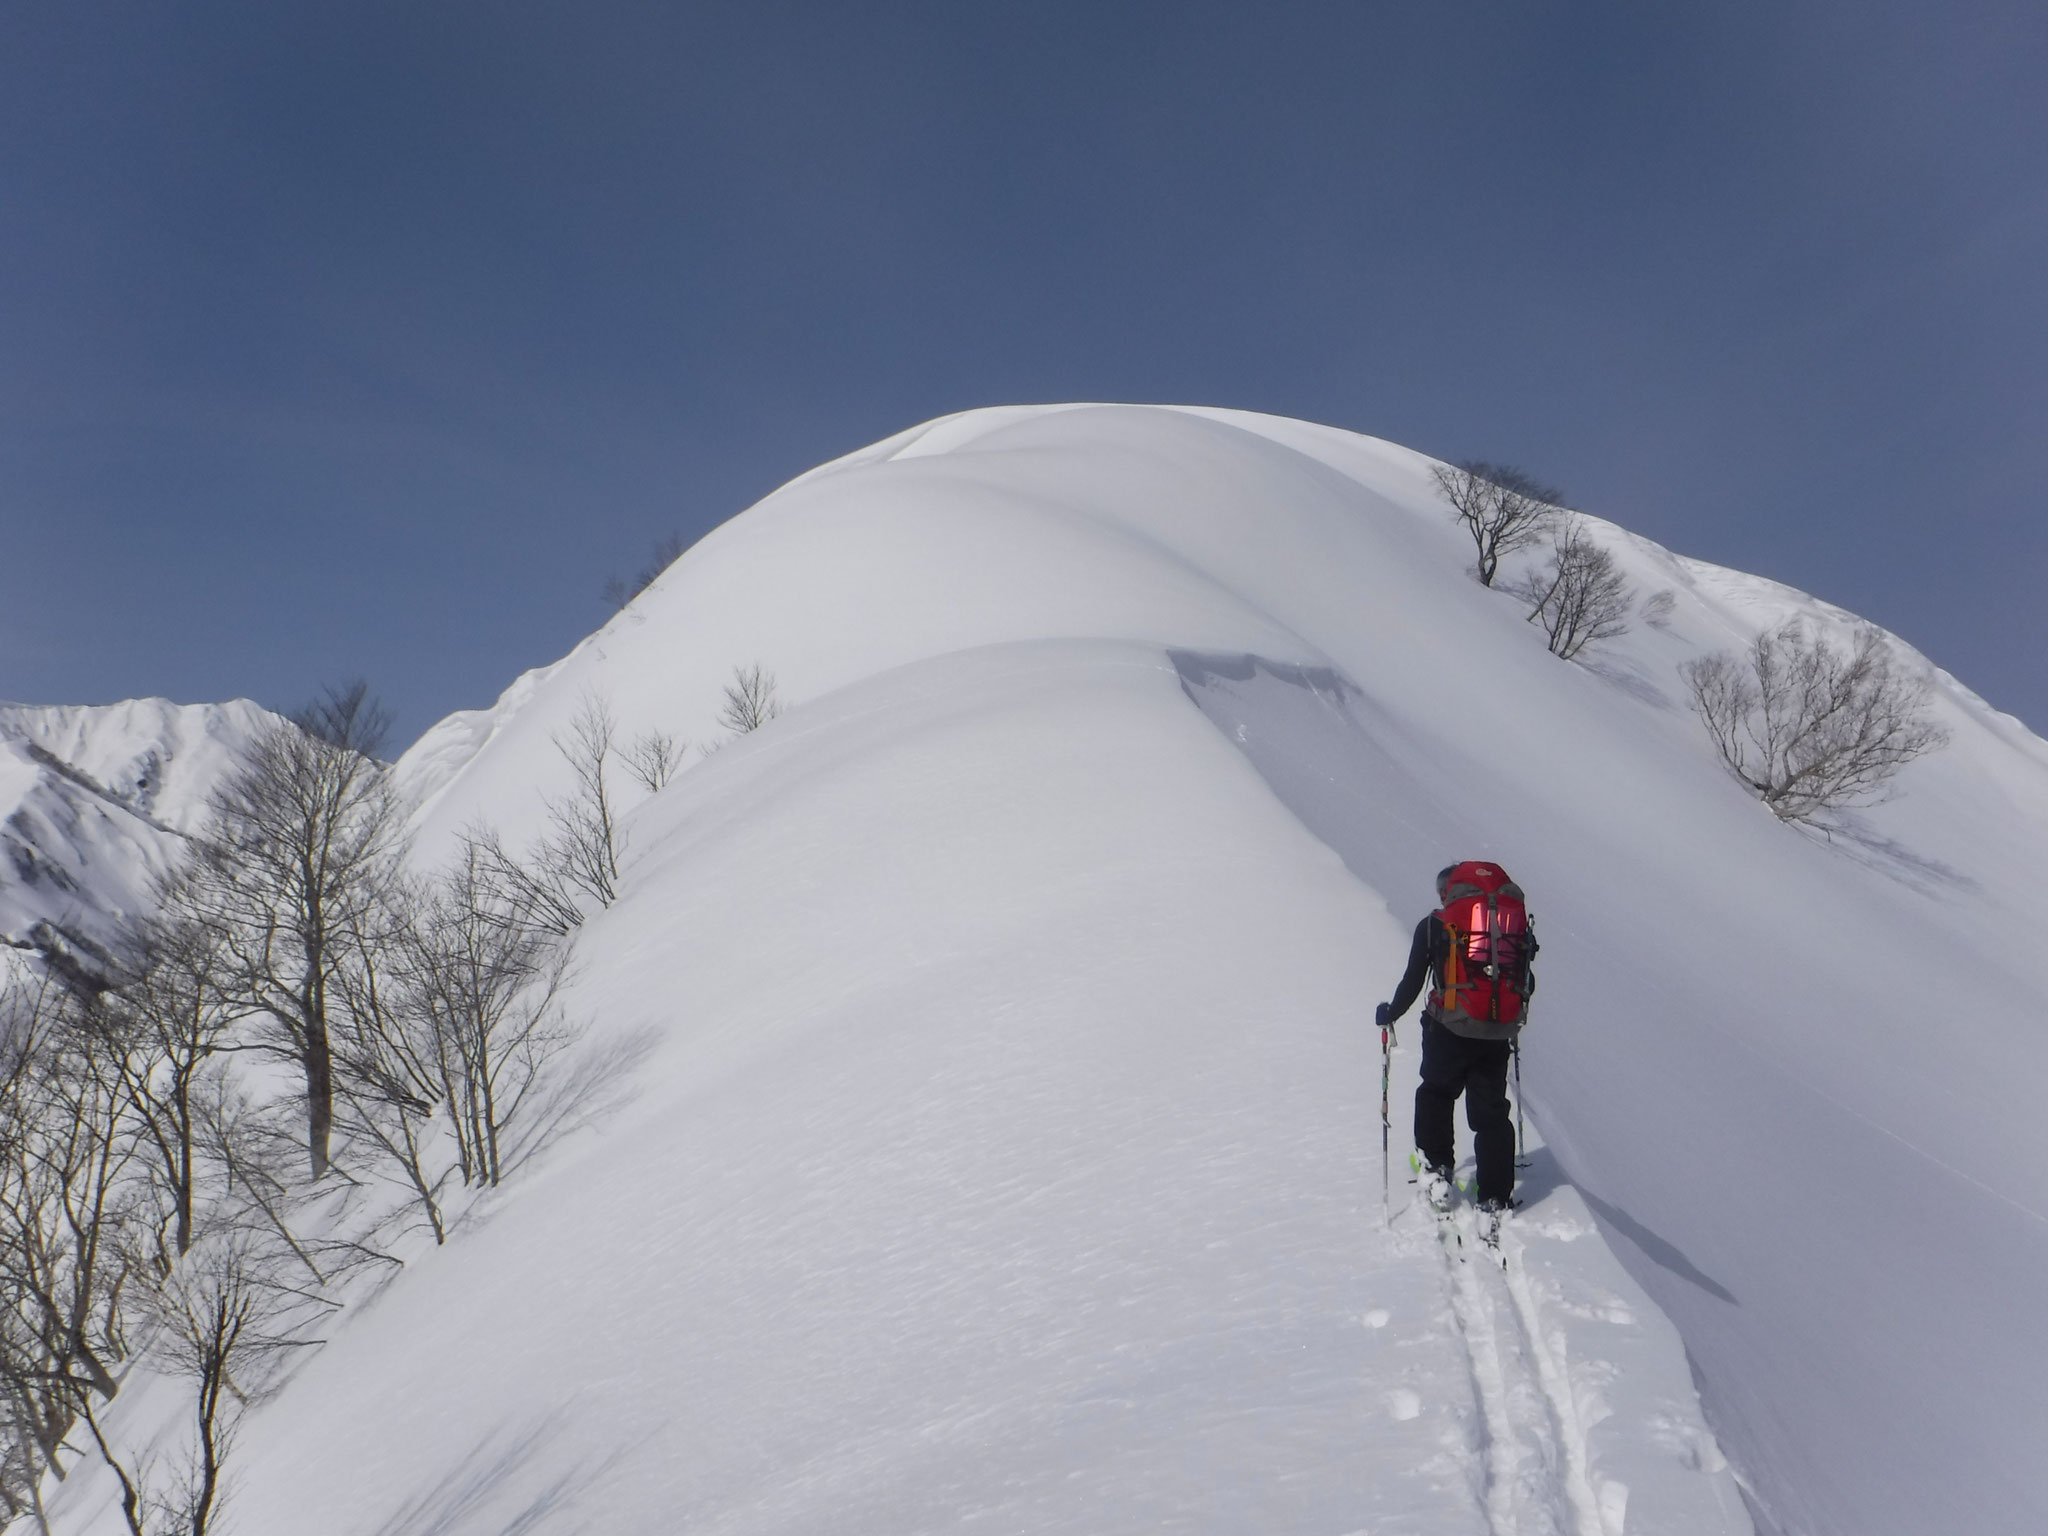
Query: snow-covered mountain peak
[
  {"x": 1002, "y": 1139},
  {"x": 94, "y": 801},
  {"x": 1701, "y": 959}
]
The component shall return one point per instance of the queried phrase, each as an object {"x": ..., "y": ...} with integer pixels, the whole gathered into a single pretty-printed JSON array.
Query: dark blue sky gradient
[{"x": 370, "y": 338}]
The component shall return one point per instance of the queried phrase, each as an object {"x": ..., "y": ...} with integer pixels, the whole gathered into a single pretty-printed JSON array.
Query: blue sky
[{"x": 369, "y": 339}]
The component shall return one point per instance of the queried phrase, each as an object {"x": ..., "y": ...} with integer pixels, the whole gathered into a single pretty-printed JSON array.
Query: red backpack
[{"x": 1486, "y": 976}]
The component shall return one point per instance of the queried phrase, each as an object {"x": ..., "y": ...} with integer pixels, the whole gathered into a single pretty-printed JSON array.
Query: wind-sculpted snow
[
  {"x": 94, "y": 804},
  {"x": 1003, "y": 1144}
]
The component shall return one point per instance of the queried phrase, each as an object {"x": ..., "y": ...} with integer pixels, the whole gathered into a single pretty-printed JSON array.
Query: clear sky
[{"x": 368, "y": 339}]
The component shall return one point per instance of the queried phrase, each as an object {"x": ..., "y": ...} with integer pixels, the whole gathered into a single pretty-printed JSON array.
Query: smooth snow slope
[
  {"x": 1007, "y": 1160},
  {"x": 1004, "y": 1152}
]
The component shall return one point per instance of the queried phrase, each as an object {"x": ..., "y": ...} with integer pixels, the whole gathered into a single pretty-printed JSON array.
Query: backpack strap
[{"x": 1447, "y": 994}]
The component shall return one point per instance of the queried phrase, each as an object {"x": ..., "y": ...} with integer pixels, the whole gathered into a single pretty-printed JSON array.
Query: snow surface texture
[
  {"x": 93, "y": 803},
  {"x": 1004, "y": 1148}
]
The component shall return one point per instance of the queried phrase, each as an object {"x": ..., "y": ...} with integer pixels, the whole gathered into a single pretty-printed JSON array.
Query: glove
[{"x": 1385, "y": 1016}]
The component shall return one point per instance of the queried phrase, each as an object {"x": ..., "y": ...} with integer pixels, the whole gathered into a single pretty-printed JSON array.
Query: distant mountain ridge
[{"x": 94, "y": 802}]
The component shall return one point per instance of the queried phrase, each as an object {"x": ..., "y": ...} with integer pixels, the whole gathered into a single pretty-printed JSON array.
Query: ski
[
  {"x": 1442, "y": 1196},
  {"x": 1449, "y": 1236},
  {"x": 1487, "y": 1224}
]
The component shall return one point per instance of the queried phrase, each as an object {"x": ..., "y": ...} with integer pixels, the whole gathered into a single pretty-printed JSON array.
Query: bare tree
[
  {"x": 487, "y": 989},
  {"x": 654, "y": 757},
  {"x": 586, "y": 844},
  {"x": 618, "y": 591},
  {"x": 123, "y": 1145},
  {"x": 464, "y": 1029},
  {"x": 221, "y": 1318},
  {"x": 1581, "y": 596},
  {"x": 405, "y": 1134},
  {"x": 532, "y": 889},
  {"x": 392, "y": 1075},
  {"x": 164, "y": 1023},
  {"x": 252, "y": 1146},
  {"x": 581, "y": 855},
  {"x": 1808, "y": 727},
  {"x": 32, "y": 1377},
  {"x": 750, "y": 701},
  {"x": 1501, "y": 507},
  {"x": 21, "y": 1467},
  {"x": 63, "y": 1267},
  {"x": 303, "y": 835}
]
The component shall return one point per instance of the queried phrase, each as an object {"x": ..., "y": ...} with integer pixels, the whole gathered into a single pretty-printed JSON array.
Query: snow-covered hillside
[
  {"x": 93, "y": 801},
  {"x": 1003, "y": 1142}
]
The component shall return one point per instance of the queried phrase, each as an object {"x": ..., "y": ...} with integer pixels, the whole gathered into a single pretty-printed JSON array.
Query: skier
[{"x": 1475, "y": 949}]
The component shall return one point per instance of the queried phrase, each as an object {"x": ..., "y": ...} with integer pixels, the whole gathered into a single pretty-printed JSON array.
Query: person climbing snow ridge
[{"x": 1475, "y": 950}]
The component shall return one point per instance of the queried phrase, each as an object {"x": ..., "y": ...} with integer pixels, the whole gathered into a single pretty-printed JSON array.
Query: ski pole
[
  {"x": 1386, "y": 1118},
  {"x": 1521, "y": 1148}
]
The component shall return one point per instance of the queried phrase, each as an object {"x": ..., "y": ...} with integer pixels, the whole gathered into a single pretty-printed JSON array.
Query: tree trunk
[
  {"x": 209, "y": 1444},
  {"x": 183, "y": 1174},
  {"x": 102, "y": 1379},
  {"x": 319, "y": 1099}
]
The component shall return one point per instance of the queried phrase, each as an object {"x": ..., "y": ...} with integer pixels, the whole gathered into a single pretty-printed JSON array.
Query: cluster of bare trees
[
  {"x": 1810, "y": 727},
  {"x": 127, "y": 1223},
  {"x": 618, "y": 591},
  {"x": 308, "y": 1048},
  {"x": 579, "y": 859},
  {"x": 455, "y": 1015},
  {"x": 303, "y": 844},
  {"x": 61, "y": 1333},
  {"x": 306, "y": 1043},
  {"x": 1579, "y": 597}
]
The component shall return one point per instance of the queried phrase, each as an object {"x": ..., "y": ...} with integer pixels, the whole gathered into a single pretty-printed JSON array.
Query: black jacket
[{"x": 1426, "y": 957}]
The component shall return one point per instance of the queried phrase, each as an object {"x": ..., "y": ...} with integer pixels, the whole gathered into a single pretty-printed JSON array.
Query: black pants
[{"x": 1452, "y": 1064}]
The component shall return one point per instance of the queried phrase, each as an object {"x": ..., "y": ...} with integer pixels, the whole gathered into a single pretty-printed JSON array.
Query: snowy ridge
[
  {"x": 94, "y": 801},
  {"x": 1002, "y": 1147}
]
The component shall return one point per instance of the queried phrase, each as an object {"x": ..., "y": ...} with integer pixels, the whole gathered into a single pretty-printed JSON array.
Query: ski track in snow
[
  {"x": 1533, "y": 1442},
  {"x": 1554, "y": 1381}
]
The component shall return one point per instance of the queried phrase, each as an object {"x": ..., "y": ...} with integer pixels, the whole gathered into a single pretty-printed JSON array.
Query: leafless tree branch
[
  {"x": 618, "y": 591},
  {"x": 1581, "y": 596},
  {"x": 654, "y": 757},
  {"x": 750, "y": 701},
  {"x": 586, "y": 845},
  {"x": 1502, "y": 508},
  {"x": 303, "y": 836},
  {"x": 1808, "y": 727}
]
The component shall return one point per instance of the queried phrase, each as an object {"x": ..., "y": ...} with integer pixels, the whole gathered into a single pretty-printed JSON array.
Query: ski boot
[
  {"x": 1437, "y": 1186},
  {"x": 1488, "y": 1220}
]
